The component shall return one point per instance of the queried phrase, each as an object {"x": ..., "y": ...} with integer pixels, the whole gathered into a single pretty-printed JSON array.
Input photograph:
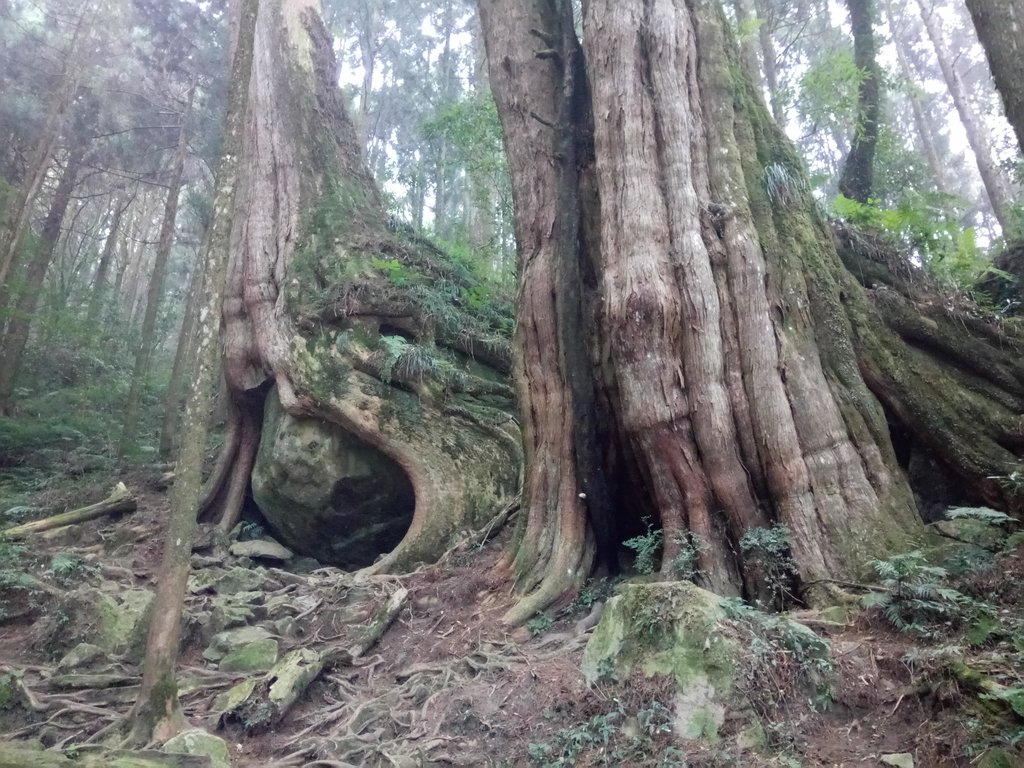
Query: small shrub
[
  {"x": 767, "y": 550},
  {"x": 539, "y": 624},
  {"x": 647, "y": 547}
]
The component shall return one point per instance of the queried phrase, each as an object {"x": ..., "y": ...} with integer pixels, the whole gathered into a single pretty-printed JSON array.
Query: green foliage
[
  {"x": 981, "y": 514},
  {"x": 69, "y": 569},
  {"x": 539, "y": 624},
  {"x": 828, "y": 92},
  {"x": 928, "y": 226},
  {"x": 686, "y": 564},
  {"x": 593, "y": 591},
  {"x": 915, "y": 598},
  {"x": 767, "y": 550},
  {"x": 783, "y": 185},
  {"x": 398, "y": 274},
  {"x": 647, "y": 547},
  {"x": 612, "y": 738},
  {"x": 410, "y": 361}
]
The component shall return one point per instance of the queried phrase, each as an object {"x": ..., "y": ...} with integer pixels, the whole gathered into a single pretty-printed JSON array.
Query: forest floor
[{"x": 447, "y": 685}]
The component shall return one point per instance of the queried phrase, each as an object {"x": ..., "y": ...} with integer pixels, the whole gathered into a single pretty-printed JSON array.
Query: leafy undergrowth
[{"x": 447, "y": 685}]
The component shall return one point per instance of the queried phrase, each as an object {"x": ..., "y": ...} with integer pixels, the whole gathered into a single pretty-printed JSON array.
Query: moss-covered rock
[
  {"x": 675, "y": 630},
  {"x": 229, "y": 641},
  {"x": 198, "y": 742},
  {"x": 705, "y": 646},
  {"x": 326, "y": 493},
  {"x": 258, "y": 656},
  {"x": 116, "y": 621}
]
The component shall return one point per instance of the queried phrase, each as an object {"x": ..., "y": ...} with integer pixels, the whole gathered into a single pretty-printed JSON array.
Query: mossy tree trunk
[
  {"x": 157, "y": 714},
  {"x": 857, "y": 178},
  {"x": 744, "y": 366},
  {"x": 309, "y": 305}
]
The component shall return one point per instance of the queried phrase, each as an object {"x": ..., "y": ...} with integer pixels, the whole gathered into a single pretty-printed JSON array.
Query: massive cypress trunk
[
  {"x": 749, "y": 374},
  {"x": 353, "y": 323}
]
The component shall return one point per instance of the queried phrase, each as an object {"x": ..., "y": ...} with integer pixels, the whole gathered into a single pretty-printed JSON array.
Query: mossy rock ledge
[
  {"x": 400, "y": 432},
  {"x": 680, "y": 632}
]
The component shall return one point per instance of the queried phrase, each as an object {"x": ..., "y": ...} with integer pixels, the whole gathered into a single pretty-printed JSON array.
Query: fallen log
[
  {"x": 258, "y": 705},
  {"x": 119, "y": 501}
]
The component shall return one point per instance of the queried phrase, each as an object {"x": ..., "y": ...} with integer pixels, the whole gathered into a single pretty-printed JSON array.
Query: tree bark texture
[
  {"x": 542, "y": 98},
  {"x": 308, "y": 214},
  {"x": 157, "y": 713},
  {"x": 1000, "y": 27},
  {"x": 994, "y": 180},
  {"x": 749, "y": 375},
  {"x": 857, "y": 179}
]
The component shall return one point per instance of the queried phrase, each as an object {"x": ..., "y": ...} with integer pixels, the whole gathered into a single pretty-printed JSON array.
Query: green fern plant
[
  {"x": 914, "y": 598},
  {"x": 647, "y": 547}
]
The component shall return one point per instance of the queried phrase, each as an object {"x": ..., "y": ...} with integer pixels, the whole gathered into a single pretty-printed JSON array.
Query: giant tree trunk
[
  {"x": 858, "y": 176},
  {"x": 999, "y": 24},
  {"x": 309, "y": 308},
  {"x": 749, "y": 374},
  {"x": 993, "y": 179}
]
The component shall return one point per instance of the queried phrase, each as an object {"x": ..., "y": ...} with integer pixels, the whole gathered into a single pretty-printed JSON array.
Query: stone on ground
[{"x": 198, "y": 742}]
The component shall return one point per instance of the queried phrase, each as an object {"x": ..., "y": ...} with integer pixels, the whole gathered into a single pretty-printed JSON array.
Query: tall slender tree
[
  {"x": 157, "y": 713},
  {"x": 857, "y": 178},
  {"x": 999, "y": 23},
  {"x": 996, "y": 184}
]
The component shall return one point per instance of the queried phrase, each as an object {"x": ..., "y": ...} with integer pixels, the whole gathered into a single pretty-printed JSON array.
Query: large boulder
[
  {"x": 708, "y": 649},
  {"x": 116, "y": 620},
  {"x": 326, "y": 493}
]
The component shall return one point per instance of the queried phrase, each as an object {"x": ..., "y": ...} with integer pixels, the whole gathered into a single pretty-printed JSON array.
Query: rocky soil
[{"x": 294, "y": 664}]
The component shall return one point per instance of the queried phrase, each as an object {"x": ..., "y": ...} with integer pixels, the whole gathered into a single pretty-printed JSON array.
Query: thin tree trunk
[
  {"x": 768, "y": 58},
  {"x": 921, "y": 125},
  {"x": 147, "y": 339},
  {"x": 183, "y": 354},
  {"x": 20, "y": 212},
  {"x": 157, "y": 713},
  {"x": 1000, "y": 24},
  {"x": 995, "y": 183},
  {"x": 100, "y": 291},
  {"x": 858, "y": 176},
  {"x": 13, "y": 344}
]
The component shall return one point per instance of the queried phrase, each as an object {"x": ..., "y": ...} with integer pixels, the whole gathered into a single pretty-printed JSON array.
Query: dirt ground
[{"x": 448, "y": 685}]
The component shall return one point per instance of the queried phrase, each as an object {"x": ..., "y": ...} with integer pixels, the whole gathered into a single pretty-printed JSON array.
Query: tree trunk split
[{"x": 750, "y": 378}]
